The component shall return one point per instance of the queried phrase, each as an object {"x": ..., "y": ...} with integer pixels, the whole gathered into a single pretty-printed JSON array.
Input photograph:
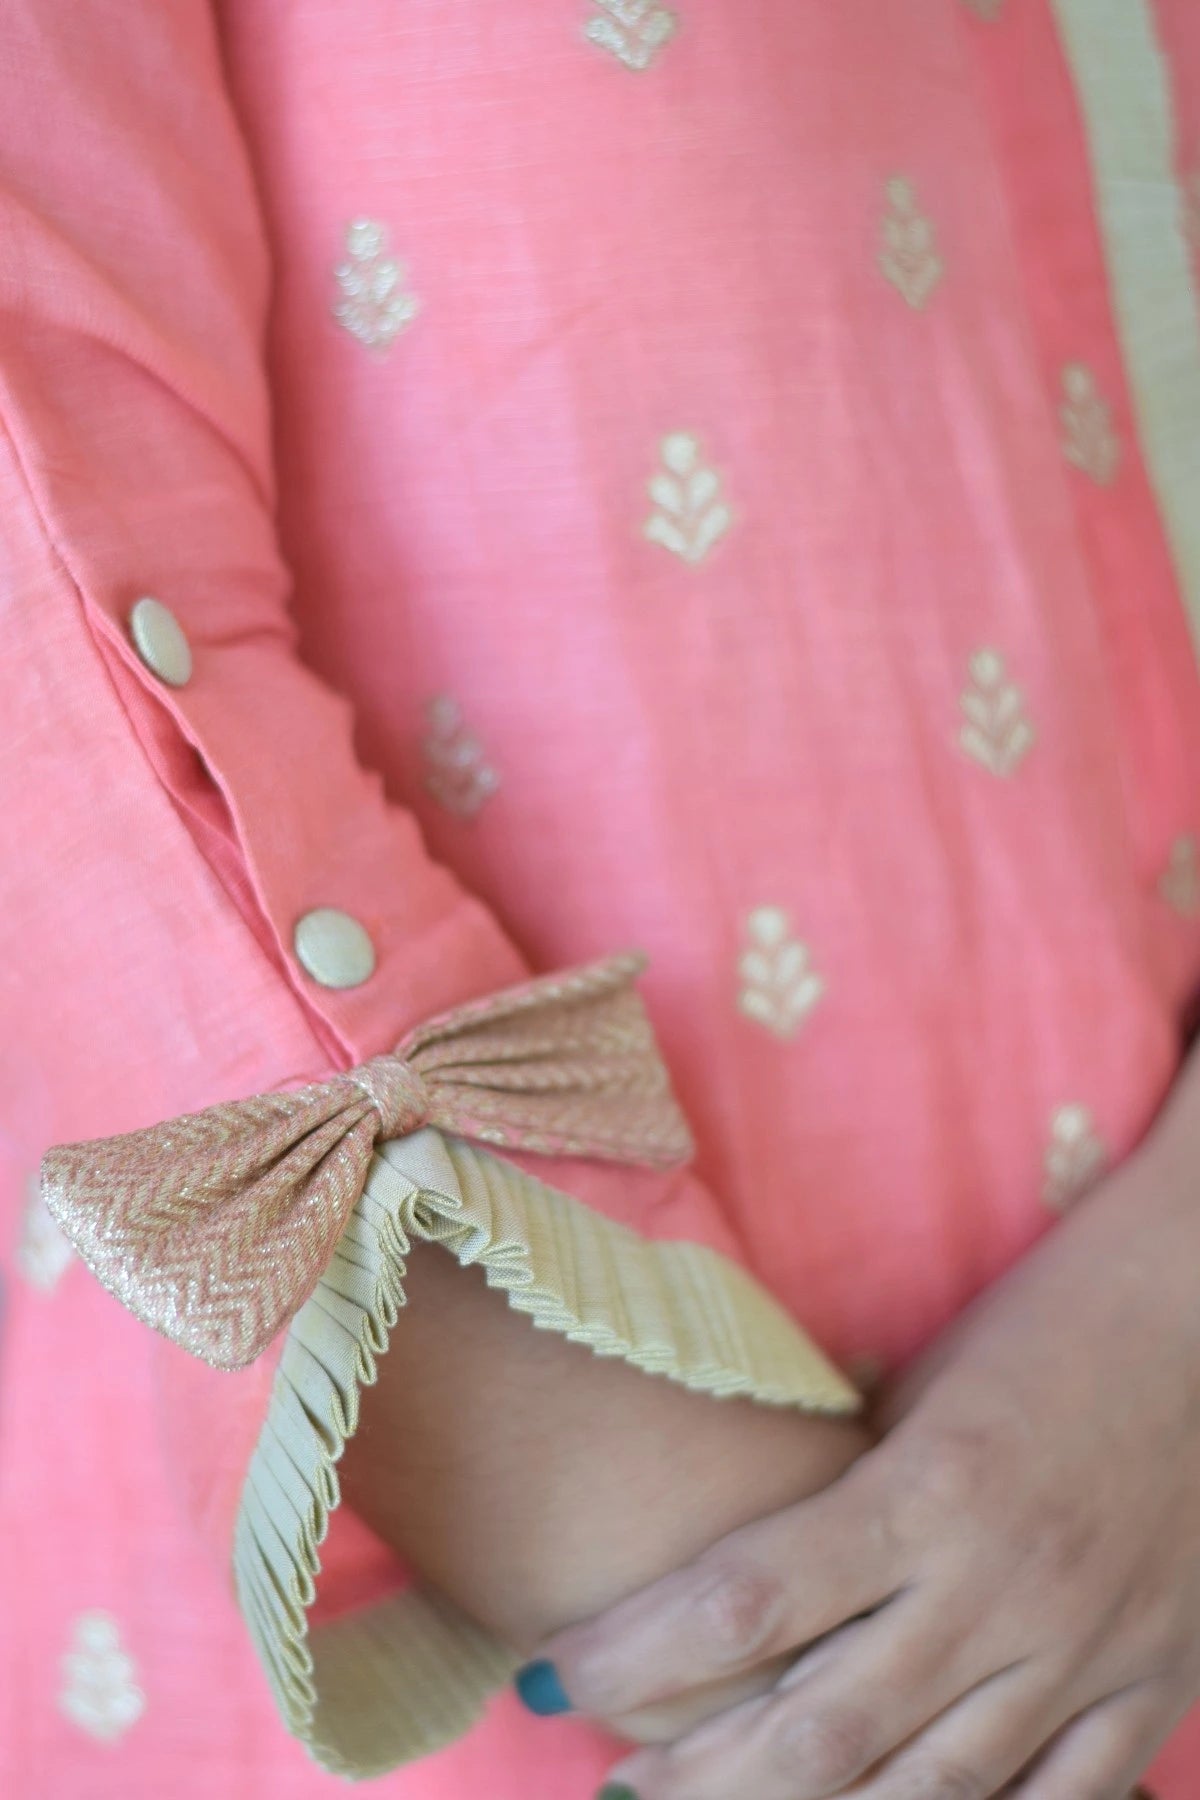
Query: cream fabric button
[
  {"x": 159, "y": 641},
  {"x": 333, "y": 947}
]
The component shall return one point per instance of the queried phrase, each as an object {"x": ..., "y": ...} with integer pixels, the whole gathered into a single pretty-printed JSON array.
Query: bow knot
[
  {"x": 397, "y": 1092},
  {"x": 215, "y": 1228}
]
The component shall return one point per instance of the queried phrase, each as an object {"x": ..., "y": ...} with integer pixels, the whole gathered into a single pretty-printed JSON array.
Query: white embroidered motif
[
  {"x": 996, "y": 731},
  {"x": 1090, "y": 442},
  {"x": 634, "y": 31},
  {"x": 1075, "y": 1157},
  {"x": 908, "y": 255},
  {"x": 44, "y": 1251},
  {"x": 1179, "y": 883},
  {"x": 690, "y": 511},
  {"x": 100, "y": 1693},
  {"x": 457, "y": 772},
  {"x": 374, "y": 305},
  {"x": 780, "y": 987}
]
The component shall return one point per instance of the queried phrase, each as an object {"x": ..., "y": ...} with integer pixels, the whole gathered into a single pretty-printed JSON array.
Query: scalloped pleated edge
[{"x": 398, "y": 1680}]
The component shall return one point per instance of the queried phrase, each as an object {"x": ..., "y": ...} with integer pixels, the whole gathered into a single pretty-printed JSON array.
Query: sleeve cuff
[{"x": 398, "y": 1679}]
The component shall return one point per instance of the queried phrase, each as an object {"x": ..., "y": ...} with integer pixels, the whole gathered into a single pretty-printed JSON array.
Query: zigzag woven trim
[{"x": 398, "y": 1680}]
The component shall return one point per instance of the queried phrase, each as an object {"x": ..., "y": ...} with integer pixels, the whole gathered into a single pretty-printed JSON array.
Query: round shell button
[
  {"x": 159, "y": 641},
  {"x": 334, "y": 948}
]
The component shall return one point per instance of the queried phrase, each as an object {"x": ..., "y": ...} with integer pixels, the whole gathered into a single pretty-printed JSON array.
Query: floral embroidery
[
  {"x": 779, "y": 985},
  {"x": 374, "y": 307},
  {"x": 100, "y": 1693},
  {"x": 1179, "y": 883},
  {"x": 1075, "y": 1157},
  {"x": 996, "y": 732},
  {"x": 1090, "y": 442},
  {"x": 457, "y": 772},
  {"x": 633, "y": 30},
  {"x": 908, "y": 256},
  {"x": 43, "y": 1253},
  {"x": 690, "y": 511}
]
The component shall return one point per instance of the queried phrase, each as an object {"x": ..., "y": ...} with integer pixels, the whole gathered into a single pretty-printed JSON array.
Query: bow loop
[
  {"x": 396, "y": 1091},
  {"x": 216, "y": 1227}
]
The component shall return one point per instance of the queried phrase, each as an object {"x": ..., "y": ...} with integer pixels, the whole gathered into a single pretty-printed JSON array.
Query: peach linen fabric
[{"x": 739, "y": 529}]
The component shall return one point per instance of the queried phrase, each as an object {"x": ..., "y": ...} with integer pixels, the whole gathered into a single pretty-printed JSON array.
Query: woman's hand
[{"x": 1005, "y": 1591}]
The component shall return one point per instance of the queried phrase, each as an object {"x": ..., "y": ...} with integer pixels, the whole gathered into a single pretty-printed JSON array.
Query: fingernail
[
  {"x": 539, "y": 1688},
  {"x": 616, "y": 1790}
]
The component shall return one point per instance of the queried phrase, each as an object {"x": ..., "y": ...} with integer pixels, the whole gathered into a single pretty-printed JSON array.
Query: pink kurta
[{"x": 733, "y": 469}]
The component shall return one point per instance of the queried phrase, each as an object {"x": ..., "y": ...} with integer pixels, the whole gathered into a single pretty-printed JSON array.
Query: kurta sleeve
[{"x": 215, "y": 900}]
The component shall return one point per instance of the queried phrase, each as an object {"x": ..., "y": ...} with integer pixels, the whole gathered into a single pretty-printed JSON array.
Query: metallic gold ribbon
[{"x": 215, "y": 1228}]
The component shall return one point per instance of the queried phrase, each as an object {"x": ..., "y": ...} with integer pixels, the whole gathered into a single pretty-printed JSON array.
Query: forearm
[{"x": 534, "y": 1482}]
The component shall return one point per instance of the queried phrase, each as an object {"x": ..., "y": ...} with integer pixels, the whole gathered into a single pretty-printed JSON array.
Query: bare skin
[
  {"x": 535, "y": 1483},
  {"x": 1003, "y": 1597}
]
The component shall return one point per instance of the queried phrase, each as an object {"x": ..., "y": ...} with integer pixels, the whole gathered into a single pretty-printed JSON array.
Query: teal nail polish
[
  {"x": 616, "y": 1790},
  {"x": 539, "y": 1688}
]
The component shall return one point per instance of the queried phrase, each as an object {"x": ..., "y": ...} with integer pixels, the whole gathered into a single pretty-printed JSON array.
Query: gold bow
[{"x": 216, "y": 1227}]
